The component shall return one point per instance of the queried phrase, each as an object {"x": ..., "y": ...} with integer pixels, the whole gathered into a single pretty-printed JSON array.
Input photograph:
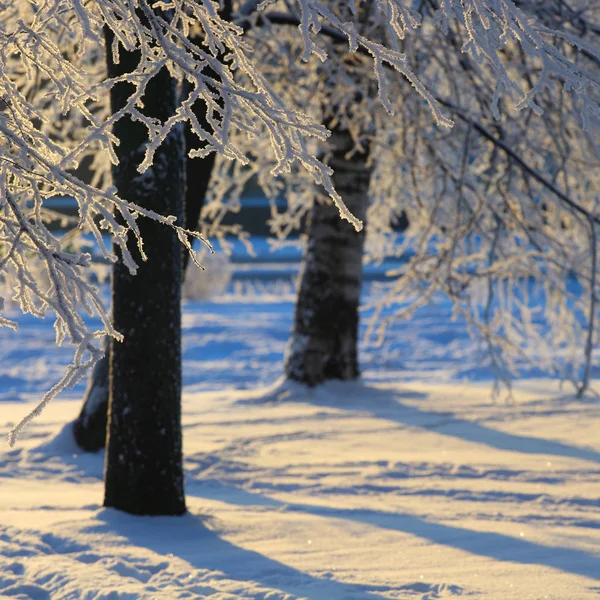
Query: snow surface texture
[{"x": 409, "y": 484}]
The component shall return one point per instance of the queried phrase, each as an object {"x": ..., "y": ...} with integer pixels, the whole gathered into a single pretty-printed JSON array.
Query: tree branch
[
  {"x": 519, "y": 161},
  {"x": 277, "y": 18}
]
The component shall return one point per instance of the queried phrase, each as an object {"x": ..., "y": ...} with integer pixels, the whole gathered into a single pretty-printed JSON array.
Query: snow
[{"x": 411, "y": 483}]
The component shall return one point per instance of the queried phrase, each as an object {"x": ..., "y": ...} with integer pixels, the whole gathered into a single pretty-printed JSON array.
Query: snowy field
[{"x": 412, "y": 483}]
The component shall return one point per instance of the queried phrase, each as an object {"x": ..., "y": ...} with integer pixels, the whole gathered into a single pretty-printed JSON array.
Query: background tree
[
  {"x": 503, "y": 213},
  {"x": 324, "y": 340},
  {"x": 446, "y": 182},
  {"x": 90, "y": 427}
]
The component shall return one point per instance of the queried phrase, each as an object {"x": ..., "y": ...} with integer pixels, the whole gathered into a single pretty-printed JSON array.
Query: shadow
[
  {"x": 58, "y": 459},
  {"x": 189, "y": 538},
  {"x": 386, "y": 404},
  {"x": 492, "y": 545}
]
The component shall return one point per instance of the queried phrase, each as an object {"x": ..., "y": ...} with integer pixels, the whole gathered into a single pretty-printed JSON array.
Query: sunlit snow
[{"x": 412, "y": 483}]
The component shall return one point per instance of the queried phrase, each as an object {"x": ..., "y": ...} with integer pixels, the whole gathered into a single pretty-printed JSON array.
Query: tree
[
  {"x": 144, "y": 412},
  {"x": 324, "y": 341},
  {"x": 90, "y": 427},
  {"x": 51, "y": 50},
  {"x": 416, "y": 174},
  {"x": 502, "y": 214}
]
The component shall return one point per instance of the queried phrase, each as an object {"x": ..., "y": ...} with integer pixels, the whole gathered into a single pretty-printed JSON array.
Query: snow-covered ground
[{"x": 412, "y": 483}]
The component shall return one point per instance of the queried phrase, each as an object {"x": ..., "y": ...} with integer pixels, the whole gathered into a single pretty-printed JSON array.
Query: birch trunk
[{"x": 324, "y": 340}]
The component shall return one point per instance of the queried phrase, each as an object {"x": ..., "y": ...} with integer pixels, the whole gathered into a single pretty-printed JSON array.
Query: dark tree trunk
[
  {"x": 144, "y": 462},
  {"x": 90, "y": 427},
  {"x": 323, "y": 344}
]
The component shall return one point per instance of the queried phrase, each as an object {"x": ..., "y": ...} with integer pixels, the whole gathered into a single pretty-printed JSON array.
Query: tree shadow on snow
[
  {"x": 386, "y": 404},
  {"x": 189, "y": 538},
  {"x": 488, "y": 544}
]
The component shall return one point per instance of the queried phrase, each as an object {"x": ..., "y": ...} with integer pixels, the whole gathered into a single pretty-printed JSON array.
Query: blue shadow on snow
[{"x": 492, "y": 545}]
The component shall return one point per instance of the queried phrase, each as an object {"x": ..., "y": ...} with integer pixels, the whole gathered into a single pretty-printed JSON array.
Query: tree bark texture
[
  {"x": 90, "y": 428},
  {"x": 144, "y": 463},
  {"x": 324, "y": 340}
]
